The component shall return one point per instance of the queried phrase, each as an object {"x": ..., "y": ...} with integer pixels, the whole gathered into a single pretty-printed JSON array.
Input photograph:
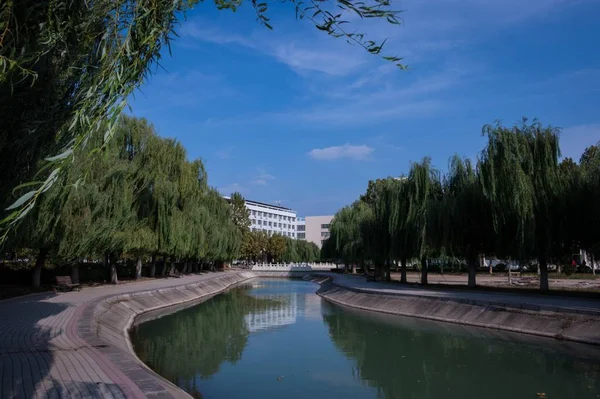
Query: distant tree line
[{"x": 517, "y": 201}]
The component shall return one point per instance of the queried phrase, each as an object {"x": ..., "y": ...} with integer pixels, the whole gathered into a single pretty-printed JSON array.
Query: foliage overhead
[{"x": 67, "y": 68}]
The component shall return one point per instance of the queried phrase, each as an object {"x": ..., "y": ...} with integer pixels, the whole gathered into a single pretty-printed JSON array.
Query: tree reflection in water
[
  {"x": 196, "y": 341},
  {"x": 404, "y": 358}
]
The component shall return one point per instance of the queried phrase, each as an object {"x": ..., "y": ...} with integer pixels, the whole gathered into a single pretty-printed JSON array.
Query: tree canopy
[
  {"x": 516, "y": 202},
  {"x": 67, "y": 68},
  {"x": 140, "y": 199}
]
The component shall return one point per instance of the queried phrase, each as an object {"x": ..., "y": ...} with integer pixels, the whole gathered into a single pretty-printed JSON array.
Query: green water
[{"x": 277, "y": 339}]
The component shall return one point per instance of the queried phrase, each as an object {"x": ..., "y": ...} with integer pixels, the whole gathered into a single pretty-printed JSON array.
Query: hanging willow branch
[{"x": 67, "y": 68}]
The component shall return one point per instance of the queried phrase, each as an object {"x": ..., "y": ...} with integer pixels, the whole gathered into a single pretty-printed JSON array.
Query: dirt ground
[{"x": 501, "y": 280}]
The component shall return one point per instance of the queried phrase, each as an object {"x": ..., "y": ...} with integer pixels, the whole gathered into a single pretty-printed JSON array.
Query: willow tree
[
  {"x": 346, "y": 241},
  {"x": 67, "y": 67},
  {"x": 423, "y": 188},
  {"x": 467, "y": 214},
  {"x": 519, "y": 174},
  {"x": 589, "y": 234}
]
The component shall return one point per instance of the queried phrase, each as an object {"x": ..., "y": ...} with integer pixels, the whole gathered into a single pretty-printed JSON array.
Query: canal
[{"x": 275, "y": 338}]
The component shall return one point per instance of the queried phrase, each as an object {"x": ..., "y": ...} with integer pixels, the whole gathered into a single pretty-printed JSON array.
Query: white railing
[{"x": 285, "y": 267}]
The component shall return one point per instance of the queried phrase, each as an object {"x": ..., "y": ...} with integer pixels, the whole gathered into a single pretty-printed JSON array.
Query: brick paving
[{"x": 42, "y": 354}]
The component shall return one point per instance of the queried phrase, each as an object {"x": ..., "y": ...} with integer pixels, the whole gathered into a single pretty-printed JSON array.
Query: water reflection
[
  {"x": 408, "y": 358},
  {"x": 283, "y": 313},
  {"x": 195, "y": 343},
  {"x": 276, "y": 338}
]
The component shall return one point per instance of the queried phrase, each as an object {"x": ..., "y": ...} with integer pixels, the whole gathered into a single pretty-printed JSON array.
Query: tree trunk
[
  {"x": 153, "y": 265},
  {"x": 424, "y": 270},
  {"x": 388, "y": 270},
  {"x": 171, "y": 267},
  {"x": 354, "y": 268},
  {"x": 195, "y": 267},
  {"x": 36, "y": 278},
  {"x": 403, "y": 270},
  {"x": 593, "y": 264},
  {"x": 473, "y": 271},
  {"x": 184, "y": 270},
  {"x": 75, "y": 272},
  {"x": 163, "y": 271},
  {"x": 114, "y": 278},
  {"x": 543, "y": 271},
  {"x": 138, "y": 268}
]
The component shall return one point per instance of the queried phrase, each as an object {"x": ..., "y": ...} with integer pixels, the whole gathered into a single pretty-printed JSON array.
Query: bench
[{"x": 64, "y": 283}]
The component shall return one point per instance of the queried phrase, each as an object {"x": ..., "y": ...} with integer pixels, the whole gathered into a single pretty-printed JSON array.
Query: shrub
[{"x": 569, "y": 269}]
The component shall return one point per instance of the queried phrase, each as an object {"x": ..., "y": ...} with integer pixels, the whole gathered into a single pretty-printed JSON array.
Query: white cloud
[
  {"x": 355, "y": 152},
  {"x": 225, "y": 153},
  {"x": 263, "y": 178},
  {"x": 575, "y": 139},
  {"x": 231, "y": 188},
  {"x": 266, "y": 176}
]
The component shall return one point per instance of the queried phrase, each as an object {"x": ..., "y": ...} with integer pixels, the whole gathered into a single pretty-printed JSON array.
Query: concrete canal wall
[
  {"x": 105, "y": 325},
  {"x": 560, "y": 325}
]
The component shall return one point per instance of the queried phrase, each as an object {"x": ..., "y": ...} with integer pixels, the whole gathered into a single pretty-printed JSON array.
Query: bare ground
[{"x": 585, "y": 283}]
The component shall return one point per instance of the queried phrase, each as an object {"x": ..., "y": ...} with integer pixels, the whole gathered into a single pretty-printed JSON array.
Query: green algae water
[{"x": 275, "y": 338}]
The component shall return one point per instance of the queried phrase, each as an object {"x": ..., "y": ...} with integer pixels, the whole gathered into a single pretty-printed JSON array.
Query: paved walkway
[
  {"x": 42, "y": 354},
  {"x": 520, "y": 301}
]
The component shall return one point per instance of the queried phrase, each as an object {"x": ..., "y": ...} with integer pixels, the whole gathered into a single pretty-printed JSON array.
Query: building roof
[
  {"x": 269, "y": 205},
  {"x": 263, "y": 204}
]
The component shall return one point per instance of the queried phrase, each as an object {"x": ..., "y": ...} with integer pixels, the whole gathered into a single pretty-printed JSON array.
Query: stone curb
[
  {"x": 561, "y": 326},
  {"x": 522, "y": 306}
]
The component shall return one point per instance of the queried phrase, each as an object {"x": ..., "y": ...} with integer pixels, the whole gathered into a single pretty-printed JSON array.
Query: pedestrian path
[
  {"x": 519, "y": 301},
  {"x": 42, "y": 354}
]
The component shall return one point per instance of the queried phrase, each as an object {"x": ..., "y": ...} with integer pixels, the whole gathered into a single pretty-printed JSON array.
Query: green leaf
[
  {"x": 28, "y": 184},
  {"x": 60, "y": 156},
  {"x": 22, "y": 199}
]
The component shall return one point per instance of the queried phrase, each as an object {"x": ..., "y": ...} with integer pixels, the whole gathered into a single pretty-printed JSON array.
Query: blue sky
[{"x": 292, "y": 115}]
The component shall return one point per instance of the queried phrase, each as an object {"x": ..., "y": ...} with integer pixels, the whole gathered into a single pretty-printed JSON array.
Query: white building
[
  {"x": 301, "y": 229},
  {"x": 272, "y": 219}
]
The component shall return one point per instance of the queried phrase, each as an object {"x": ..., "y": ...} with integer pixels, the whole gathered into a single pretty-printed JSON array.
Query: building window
[
  {"x": 325, "y": 234},
  {"x": 271, "y": 224},
  {"x": 260, "y": 222},
  {"x": 279, "y": 225},
  {"x": 301, "y": 227},
  {"x": 325, "y": 226},
  {"x": 253, "y": 221},
  {"x": 293, "y": 234},
  {"x": 301, "y": 236}
]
